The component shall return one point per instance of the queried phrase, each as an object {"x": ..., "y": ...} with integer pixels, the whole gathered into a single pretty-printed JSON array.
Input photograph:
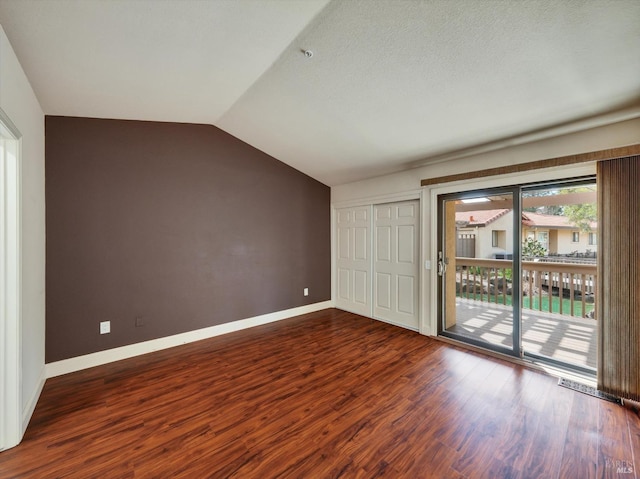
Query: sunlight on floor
[
  {"x": 475, "y": 323},
  {"x": 536, "y": 336},
  {"x": 563, "y": 338}
]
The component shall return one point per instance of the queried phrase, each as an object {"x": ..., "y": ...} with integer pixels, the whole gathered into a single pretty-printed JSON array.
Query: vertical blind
[{"x": 618, "y": 284}]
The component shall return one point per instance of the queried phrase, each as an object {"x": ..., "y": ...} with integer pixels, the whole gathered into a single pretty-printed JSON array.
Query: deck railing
[{"x": 562, "y": 288}]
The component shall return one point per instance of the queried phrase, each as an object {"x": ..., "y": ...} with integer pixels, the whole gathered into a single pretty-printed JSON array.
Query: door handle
[{"x": 442, "y": 264}]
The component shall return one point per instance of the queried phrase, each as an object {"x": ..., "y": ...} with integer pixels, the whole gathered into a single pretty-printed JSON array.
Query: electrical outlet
[
  {"x": 105, "y": 327},
  {"x": 139, "y": 321},
  {"x": 306, "y": 291}
]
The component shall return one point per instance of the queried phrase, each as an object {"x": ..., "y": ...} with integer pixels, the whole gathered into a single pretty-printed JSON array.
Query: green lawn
[{"x": 555, "y": 304}]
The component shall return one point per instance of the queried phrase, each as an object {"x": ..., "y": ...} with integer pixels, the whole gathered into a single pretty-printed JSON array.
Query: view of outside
[
  {"x": 569, "y": 237},
  {"x": 559, "y": 254}
]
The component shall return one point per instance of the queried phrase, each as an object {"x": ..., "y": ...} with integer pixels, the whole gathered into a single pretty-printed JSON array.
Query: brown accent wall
[{"x": 178, "y": 226}]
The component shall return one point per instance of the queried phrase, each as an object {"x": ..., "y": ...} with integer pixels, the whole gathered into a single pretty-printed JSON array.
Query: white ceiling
[{"x": 391, "y": 84}]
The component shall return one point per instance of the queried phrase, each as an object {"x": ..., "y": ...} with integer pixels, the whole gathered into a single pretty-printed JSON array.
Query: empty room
[{"x": 319, "y": 239}]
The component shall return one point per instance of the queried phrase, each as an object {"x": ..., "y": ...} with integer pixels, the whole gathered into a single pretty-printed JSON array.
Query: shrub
[{"x": 533, "y": 248}]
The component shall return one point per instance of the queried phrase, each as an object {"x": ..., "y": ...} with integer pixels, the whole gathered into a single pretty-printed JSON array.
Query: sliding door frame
[
  {"x": 430, "y": 195},
  {"x": 514, "y": 191},
  {"x": 577, "y": 181},
  {"x": 572, "y": 177}
]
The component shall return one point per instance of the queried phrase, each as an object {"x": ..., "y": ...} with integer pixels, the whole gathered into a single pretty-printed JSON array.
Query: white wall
[
  {"x": 566, "y": 244},
  {"x": 484, "y": 237},
  {"x": 613, "y": 135},
  {"x": 19, "y": 102}
]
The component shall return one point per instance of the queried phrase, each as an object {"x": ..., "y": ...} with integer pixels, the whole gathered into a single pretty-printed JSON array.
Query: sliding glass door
[
  {"x": 559, "y": 255},
  {"x": 517, "y": 270},
  {"x": 477, "y": 262}
]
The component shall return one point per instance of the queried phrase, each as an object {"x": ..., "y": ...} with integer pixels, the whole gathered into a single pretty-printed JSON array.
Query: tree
[{"x": 581, "y": 215}]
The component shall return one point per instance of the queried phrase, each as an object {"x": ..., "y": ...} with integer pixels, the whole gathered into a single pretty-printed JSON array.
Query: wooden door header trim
[{"x": 609, "y": 154}]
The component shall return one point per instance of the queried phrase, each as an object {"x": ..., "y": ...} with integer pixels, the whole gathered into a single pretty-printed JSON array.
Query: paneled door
[
  {"x": 353, "y": 260},
  {"x": 396, "y": 263}
]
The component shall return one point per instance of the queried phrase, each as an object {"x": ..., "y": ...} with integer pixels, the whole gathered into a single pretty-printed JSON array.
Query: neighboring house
[
  {"x": 484, "y": 234},
  {"x": 558, "y": 235}
]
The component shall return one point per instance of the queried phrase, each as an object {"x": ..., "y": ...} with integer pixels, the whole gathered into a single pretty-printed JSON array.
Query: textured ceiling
[{"x": 391, "y": 84}]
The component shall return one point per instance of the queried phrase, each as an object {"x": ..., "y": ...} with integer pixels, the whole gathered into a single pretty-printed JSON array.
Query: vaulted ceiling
[{"x": 390, "y": 84}]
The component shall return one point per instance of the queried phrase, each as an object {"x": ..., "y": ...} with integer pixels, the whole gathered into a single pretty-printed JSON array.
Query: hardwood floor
[{"x": 325, "y": 395}]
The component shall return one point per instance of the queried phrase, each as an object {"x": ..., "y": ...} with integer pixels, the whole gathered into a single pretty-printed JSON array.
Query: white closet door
[
  {"x": 396, "y": 263},
  {"x": 353, "y": 260}
]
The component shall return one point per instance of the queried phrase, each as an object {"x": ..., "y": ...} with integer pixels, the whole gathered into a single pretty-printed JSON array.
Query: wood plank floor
[{"x": 325, "y": 395}]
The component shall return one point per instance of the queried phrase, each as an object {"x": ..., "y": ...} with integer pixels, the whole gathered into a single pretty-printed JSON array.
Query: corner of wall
[
  {"x": 31, "y": 402},
  {"x": 19, "y": 102}
]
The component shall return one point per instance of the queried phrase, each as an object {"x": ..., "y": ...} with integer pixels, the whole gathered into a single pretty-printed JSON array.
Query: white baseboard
[
  {"x": 27, "y": 412},
  {"x": 78, "y": 363}
]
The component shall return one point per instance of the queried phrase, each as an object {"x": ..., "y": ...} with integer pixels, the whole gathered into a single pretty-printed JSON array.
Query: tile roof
[
  {"x": 485, "y": 217},
  {"x": 550, "y": 221},
  {"x": 480, "y": 217}
]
